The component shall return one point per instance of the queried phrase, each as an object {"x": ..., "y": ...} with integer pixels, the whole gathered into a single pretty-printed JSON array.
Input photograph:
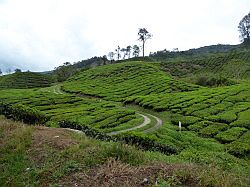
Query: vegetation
[
  {"x": 39, "y": 156},
  {"x": 102, "y": 115},
  {"x": 213, "y": 141},
  {"x": 25, "y": 80},
  {"x": 144, "y": 35},
  {"x": 244, "y": 28},
  {"x": 234, "y": 65},
  {"x": 118, "y": 81}
]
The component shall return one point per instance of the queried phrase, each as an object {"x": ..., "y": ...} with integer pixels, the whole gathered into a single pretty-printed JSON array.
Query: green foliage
[
  {"x": 213, "y": 81},
  {"x": 65, "y": 71},
  {"x": 240, "y": 147},
  {"x": 102, "y": 115},
  {"x": 233, "y": 64},
  {"x": 230, "y": 135},
  {"x": 13, "y": 159},
  {"x": 212, "y": 130},
  {"x": 140, "y": 140},
  {"x": 243, "y": 120},
  {"x": 25, "y": 80},
  {"x": 185, "y": 120},
  {"x": 23, "y": 113},
  {"x": 118, "y": 81}
]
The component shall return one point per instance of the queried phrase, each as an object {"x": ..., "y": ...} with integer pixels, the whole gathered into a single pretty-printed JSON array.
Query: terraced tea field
[
  {"x": 25, "y": 80},
  {"x": 103, "y": 115},
  {"x": 221, "y": 113},
  {"x": 231, "y": 65},
  {"x": 110, "y": 100},
  {"x": 118, "y": 81}
]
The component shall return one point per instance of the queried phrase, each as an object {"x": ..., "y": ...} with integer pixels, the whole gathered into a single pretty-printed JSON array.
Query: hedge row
[
  {"x": 23, "y": 113},
  {"x": 143, "y": 142}
]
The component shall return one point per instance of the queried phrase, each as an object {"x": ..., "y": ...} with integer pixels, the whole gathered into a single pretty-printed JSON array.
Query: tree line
[{"x": 123, "y": 53}]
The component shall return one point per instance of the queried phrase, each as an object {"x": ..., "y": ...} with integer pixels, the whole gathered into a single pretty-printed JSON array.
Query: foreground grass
[{"x": 40, "y": 156}]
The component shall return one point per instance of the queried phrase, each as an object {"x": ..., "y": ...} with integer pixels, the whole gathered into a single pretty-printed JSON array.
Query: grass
[{"x": 49, "y": 156}]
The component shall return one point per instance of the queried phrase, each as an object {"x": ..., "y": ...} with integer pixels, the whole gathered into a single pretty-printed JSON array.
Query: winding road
[{"x": 147, "y": 120}]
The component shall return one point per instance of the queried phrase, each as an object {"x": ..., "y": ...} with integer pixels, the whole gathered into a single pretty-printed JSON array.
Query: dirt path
[
  {"x": 157, "y": 125},
  {"x": 146, "y": 122},
  {"x": 57, "y": 90}
]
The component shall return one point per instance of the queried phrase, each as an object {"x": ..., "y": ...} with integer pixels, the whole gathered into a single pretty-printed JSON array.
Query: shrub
[
  {"x": 142, "y": 141},
  {"x": 200, "y": 125},
  {"x": 185, "y": 120},
  {"x": 213, "y": 129},
  {"x": 243, "y": 120},
  {"x": 240, "y": 147},
  {"x": 23, "y": 113},
  {"x": 231, "y": 134},
  {"x": 213, "y": 81}
]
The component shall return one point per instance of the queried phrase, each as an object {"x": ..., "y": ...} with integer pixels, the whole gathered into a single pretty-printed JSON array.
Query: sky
[{"x": 39, "y": 35}]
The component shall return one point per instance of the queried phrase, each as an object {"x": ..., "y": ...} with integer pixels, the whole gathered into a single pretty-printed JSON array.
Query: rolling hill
[
  {"x": 234, "y": 64},
  {"x": 105, "y": 101},
  {"x": 25, "y": 80},
  {"x": 118, "y": 81}
]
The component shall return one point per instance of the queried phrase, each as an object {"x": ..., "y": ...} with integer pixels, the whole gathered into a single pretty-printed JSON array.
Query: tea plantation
[
  {"x": 25, "y": 80},
  {"x": 118, "y": 81},
  {"x": 215, "y": 121},
  {"x": 103, "y": 115},
  {"x": 233, "y": 64}
]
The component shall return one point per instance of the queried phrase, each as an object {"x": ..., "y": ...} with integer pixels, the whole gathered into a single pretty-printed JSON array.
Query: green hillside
[
  {"x": 209, "y": 112},
  {"x": 105, "y": 101},
  {"x": 118, "y": 81},
  {"x": 97, "y": 114},
  {"x": 25, "y": 80},
  {"x": 230, "y": 65}
]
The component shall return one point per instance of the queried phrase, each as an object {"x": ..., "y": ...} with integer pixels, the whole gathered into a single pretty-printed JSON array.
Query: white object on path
[{"x": 179, "y": 125}]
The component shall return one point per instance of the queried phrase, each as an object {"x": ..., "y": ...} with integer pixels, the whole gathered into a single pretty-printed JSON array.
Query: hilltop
[
  {"x": 234, "y": 65},
  {"x": 118, "y": 81},
  {"x": 25, "y": 80}
]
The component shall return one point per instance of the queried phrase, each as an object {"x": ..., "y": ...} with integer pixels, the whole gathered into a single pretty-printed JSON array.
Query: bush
[
  {"x": 142, "y": 141},
  {"x": 200, "y": 125},
  {"x": 240, "y": 147},
  {"x": 185, "y": 120},
  {"x": 230, "y": 135},
  {"x": 213, "y": 81},
  {"x": 213, "y": 129},
  {"x": 146, "y": 142},
  {"x": 23, "y": 113}
]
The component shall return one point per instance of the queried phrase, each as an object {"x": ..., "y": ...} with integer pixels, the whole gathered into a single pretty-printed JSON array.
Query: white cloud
[{"x": 42, "y": 34}]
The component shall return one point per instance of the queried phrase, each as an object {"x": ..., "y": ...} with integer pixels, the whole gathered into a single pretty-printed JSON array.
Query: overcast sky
[{"x": 41, "y": 34}]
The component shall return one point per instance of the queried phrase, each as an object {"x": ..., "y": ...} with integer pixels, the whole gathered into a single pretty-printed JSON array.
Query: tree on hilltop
[
  {"x": 144, "y": 35},
  {"x": 129, "y": 50},
  {"x": 18, "y": 70},
  {"x": 111, "y": 56},
  {"x": 136, "y": 50},
  {"x": 124, "y": 51},
  {"x": 244, "y": 28},
  {"x": 118, "y": 52}
]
